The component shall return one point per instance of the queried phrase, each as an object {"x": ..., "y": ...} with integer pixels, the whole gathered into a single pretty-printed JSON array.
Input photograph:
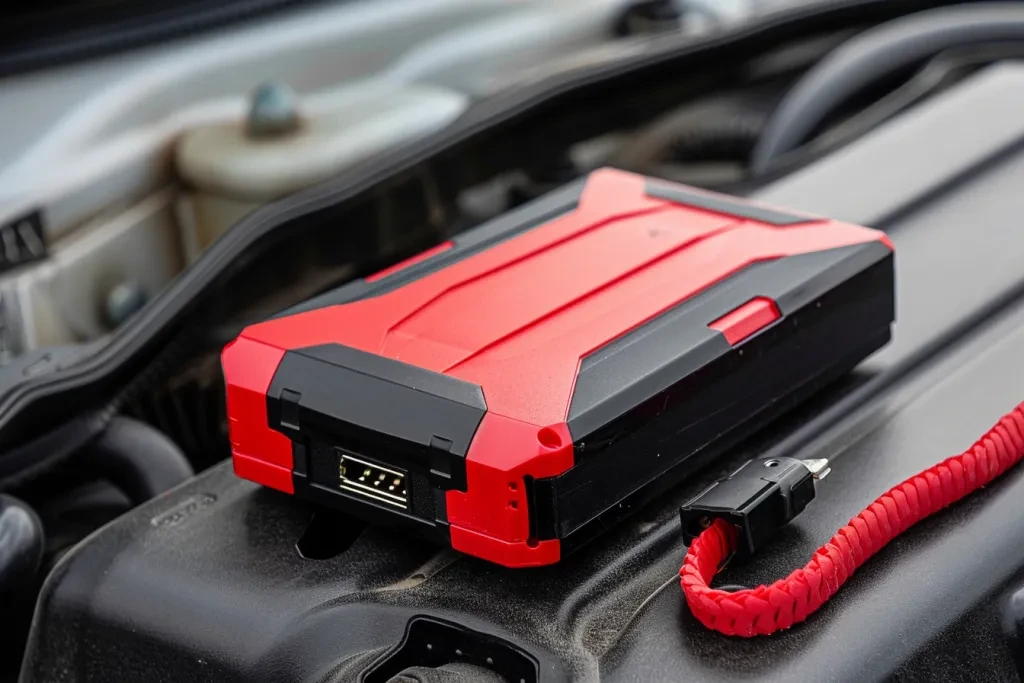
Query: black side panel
[
  {"x": 707, "y": 404},
  {"x": 423, "y": 420},
  {"x": 620, "y": 376},
  {"x": 522, "y": 219},
  {"x": 720, "y": 203}
]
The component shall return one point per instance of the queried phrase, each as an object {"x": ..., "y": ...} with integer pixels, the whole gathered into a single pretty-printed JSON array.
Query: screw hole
[
  {"x": 513, "y": 504},
  {"x": 512, "y": 486},
  {"x": 532, "y": 542},
  {"x": 458, "y": 653},
  {"x": 490, "y": 661},
  {"x": 429, "y": 647},
  {"x": 772, "y": 463},
  {"x": 549, "y": 438}
]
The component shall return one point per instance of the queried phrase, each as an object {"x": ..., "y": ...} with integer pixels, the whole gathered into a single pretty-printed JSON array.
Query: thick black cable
[
  {"x": 873, "y": 56},
  {"x": 21, "y": 550},
  {"x": 139, "y": 460},
  {"x": 939, "y": 73},
  {"x": 24, "y": 463},
  {"x": 21, "y": 556}
]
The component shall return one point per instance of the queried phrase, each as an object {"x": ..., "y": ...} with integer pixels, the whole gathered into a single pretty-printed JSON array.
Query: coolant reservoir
[{"x": 284, "y": 145}]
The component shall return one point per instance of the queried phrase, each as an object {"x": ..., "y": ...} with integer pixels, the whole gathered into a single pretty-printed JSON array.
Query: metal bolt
[
  {"x": 124, "y": 300},
  {"x": 818, "y": 467},
  {"x": 273, "y": 111}
]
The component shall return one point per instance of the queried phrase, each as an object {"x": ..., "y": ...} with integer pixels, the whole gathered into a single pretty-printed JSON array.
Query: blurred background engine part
[
  {"x": 103, "y": 206},
  {"x": 115, "y": 173}
]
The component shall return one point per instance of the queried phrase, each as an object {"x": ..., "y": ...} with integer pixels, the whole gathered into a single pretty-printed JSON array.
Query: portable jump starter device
[{"x": 513, "y": 391}]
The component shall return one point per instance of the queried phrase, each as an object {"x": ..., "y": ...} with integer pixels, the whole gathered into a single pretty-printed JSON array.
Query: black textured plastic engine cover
[{"x": 221, "y": 580}]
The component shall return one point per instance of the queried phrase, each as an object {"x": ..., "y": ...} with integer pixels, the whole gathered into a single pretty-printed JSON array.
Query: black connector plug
[{"x": 758, "y": 499}]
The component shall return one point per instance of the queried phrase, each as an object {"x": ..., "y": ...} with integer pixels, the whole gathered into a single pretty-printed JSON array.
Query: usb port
[{"x": 366, "y": 479}]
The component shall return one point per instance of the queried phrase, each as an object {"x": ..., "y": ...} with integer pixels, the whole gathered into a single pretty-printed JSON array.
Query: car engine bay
[{"x": 172, "y": 216}]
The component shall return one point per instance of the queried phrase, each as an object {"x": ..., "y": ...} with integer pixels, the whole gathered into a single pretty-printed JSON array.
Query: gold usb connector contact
[{"x": 366, "y": 479}]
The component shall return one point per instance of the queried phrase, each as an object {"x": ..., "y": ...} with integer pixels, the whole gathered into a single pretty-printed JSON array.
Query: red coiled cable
[{"x": 766, "y": 609}]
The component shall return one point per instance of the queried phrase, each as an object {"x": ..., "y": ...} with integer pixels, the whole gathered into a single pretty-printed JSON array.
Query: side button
[{"x": 749, "y": 318}]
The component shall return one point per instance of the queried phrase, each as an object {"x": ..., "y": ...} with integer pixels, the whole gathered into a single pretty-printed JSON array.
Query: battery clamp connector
[
  {"x": 741, "y": 513},
  {"x": 757, "y": 500}
]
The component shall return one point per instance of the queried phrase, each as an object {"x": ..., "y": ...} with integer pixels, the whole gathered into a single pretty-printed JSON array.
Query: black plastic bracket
[{"x": 433, "y": 643}]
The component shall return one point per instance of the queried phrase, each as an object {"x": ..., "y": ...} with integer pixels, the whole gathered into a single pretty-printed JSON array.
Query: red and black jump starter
[{"x": 514, "y": 390}]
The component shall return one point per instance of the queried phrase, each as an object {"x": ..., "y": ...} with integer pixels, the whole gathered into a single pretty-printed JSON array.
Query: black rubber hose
[
  {"x": 21, "y": 552},
  {"x": 137, "y": 459},
  {"x": 29, "y": 461},
  {"x": 871, "y": 57},
  {"x": 940, "y": 72},
  {"x": 25, "y": 463}
]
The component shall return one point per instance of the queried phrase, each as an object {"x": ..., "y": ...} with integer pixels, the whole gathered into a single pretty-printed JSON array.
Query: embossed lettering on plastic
[{"x": 184, "y": 510}]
